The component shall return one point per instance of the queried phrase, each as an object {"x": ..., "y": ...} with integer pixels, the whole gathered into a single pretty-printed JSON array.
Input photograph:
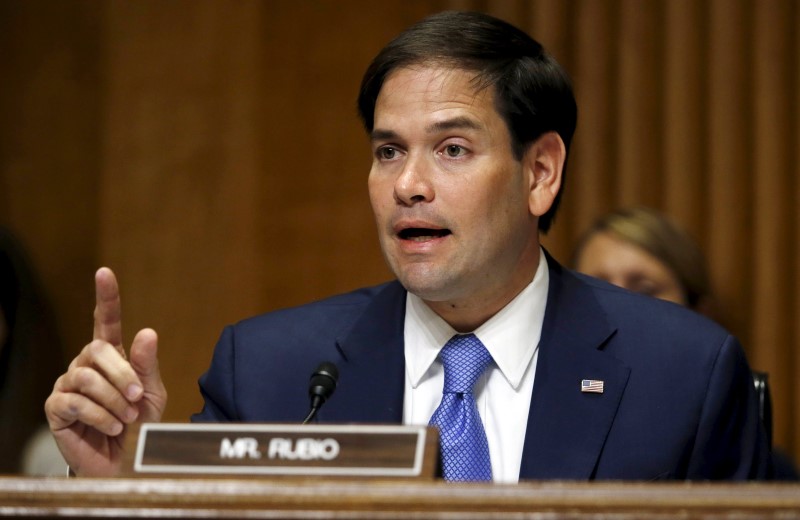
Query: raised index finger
[{"x": 108, "y": 310}]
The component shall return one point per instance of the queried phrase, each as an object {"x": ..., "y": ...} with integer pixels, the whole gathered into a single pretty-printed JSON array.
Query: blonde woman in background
[{"x": 641, "y": 250}]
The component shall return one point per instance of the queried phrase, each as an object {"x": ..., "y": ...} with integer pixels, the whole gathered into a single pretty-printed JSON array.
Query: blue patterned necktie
[{"x": 465, "y": 451}]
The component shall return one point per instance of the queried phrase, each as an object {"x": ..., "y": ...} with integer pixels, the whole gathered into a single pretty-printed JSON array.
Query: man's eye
[
  {"x": 387, "y": 152},
  {"x": 454, "y": 150}
]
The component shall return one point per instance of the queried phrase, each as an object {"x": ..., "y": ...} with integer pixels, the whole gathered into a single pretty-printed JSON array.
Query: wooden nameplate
[{"x": 250, "y": 449}]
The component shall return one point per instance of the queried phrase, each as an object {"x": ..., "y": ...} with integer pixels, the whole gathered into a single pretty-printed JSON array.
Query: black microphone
[{"x": 321, "y": 387}]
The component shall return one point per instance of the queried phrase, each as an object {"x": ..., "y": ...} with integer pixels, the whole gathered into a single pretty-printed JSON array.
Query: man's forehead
[
  {"x": 448, "y": 95},
  {"x": 433, "y": 77}
]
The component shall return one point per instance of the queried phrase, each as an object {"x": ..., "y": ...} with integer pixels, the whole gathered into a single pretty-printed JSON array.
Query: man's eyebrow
[
  {"x": 379, "y": 134},
  {"x": 456, "y": 123}
]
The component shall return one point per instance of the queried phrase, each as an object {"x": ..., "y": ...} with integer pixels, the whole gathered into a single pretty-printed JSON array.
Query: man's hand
[{"x": 103, "y": 392}]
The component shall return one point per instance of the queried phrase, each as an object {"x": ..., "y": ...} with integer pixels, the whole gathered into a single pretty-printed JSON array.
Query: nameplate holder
[{"x": 255, "y": 449}]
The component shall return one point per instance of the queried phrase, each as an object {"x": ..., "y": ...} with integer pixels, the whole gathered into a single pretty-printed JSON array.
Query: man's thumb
[{"x": 144, "y": 360}]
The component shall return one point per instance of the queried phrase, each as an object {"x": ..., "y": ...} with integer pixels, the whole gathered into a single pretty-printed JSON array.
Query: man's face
[{"x": 450, "y": 199}]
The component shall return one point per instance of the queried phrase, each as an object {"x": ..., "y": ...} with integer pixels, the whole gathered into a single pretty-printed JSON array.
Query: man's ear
[{"x": 544, "y": 164}]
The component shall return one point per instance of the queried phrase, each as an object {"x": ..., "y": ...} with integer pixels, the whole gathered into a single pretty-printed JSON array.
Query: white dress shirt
[{"x": 503, "y": 393}]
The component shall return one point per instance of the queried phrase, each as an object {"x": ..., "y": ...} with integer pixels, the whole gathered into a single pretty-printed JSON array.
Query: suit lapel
[
  {"x": 566, "y": 427},
  {"x": 372, "y": 375}
]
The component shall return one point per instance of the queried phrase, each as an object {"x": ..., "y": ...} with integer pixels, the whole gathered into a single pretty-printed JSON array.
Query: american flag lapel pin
[{"x": 592, "y": 386}]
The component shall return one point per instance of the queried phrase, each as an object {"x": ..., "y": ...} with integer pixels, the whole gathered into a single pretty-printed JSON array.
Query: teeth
[{"x": 420, "y": 238}]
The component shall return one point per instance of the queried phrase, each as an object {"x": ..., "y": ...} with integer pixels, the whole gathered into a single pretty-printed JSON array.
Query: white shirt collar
[{"x": 511, "y": 336}]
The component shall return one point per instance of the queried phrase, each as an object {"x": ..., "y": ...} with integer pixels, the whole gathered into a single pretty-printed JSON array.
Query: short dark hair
[{"x": 533, "y": 93}]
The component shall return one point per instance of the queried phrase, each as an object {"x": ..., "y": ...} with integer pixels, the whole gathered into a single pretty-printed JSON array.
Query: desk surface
[{"x": 384, "y": 499}]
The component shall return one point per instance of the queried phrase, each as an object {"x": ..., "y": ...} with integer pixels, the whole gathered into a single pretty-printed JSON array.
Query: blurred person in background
[
  {"x": 641, "y": 250},
  {"x": 31, "y": 357}
]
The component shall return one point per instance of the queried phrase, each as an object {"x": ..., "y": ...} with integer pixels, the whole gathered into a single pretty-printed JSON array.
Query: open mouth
[{"x": 422, "y": 234}]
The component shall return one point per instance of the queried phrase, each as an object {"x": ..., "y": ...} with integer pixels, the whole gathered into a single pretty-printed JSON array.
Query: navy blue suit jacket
[{"x": 678, "y": 400}]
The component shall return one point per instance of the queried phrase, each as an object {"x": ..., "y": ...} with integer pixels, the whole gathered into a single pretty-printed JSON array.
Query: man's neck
[{"x": 466, "y": 315}]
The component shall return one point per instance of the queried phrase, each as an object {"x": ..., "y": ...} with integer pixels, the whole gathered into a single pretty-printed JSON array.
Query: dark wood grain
[{"x": 298, "y": 498}]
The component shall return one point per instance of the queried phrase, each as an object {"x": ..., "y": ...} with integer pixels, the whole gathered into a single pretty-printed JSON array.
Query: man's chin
[{"x": 431, "y": 290}]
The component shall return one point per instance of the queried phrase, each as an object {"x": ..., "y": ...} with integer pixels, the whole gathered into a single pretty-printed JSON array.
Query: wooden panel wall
[
  {"x": 210, "y": 153},
  {"x": 50, "y": 146},
  {"x": 235, "y": 164}
]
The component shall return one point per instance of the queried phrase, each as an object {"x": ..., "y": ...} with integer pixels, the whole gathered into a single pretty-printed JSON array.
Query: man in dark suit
[{"x": 470, "y": 123}]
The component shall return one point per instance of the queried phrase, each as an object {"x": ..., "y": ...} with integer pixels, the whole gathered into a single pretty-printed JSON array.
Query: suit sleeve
[
  {"x": 217, "y": 384},
  {"x": 731, "y": 442}
]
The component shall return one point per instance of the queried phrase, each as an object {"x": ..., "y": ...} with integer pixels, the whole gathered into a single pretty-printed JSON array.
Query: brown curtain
[{"x": 209, "y": 152}]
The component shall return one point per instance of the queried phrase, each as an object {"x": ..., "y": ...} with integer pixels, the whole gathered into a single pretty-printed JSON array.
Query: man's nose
[{"x": 414, "y": 185}]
